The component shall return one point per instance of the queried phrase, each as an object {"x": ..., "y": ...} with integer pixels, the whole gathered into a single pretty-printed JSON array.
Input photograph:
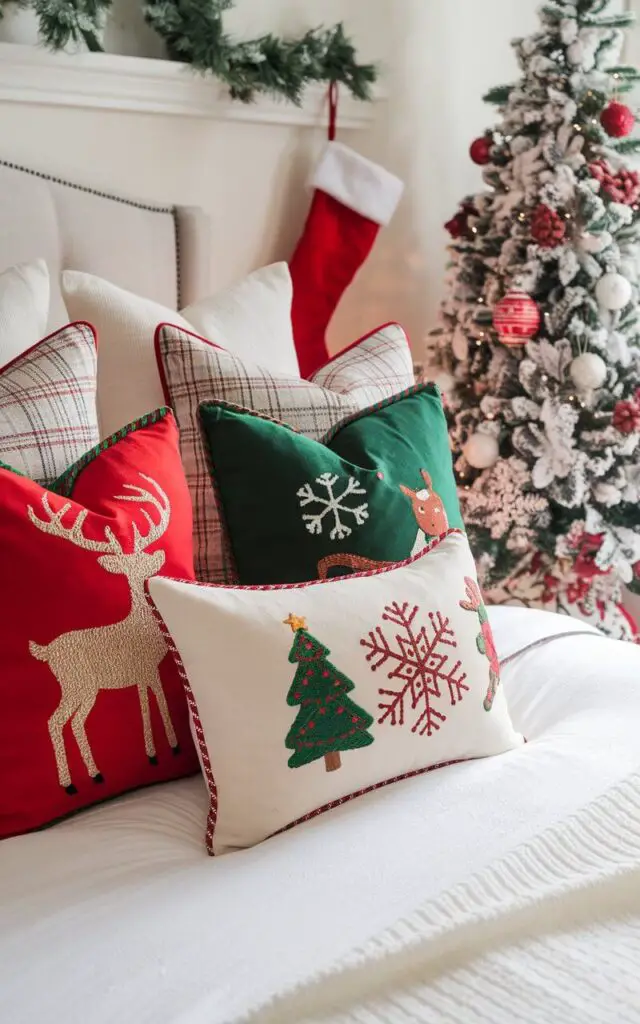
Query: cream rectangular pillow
[
  {"x": 308, "y": 695},
  {"x": 252, "y": 320},
  {"x": 24, "y": 308}
]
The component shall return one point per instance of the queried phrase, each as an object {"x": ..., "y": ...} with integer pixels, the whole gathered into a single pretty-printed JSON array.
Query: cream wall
[{"x": 438, "y": 57}]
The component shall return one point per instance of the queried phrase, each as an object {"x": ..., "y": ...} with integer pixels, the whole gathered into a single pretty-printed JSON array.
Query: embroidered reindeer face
[
  {"x": 137, "y": 568},
  {"x": 428, "y": 507}
]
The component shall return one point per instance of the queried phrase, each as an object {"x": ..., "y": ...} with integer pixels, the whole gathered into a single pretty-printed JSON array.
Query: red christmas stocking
[{"x": 353, "y": 199}]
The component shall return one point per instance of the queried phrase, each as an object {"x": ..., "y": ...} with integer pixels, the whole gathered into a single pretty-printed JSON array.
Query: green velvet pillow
[{"x": 375, "y": 490}]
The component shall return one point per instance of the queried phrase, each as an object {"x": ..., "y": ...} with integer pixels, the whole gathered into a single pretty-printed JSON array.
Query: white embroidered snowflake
[{"x": 331, "y": 503}]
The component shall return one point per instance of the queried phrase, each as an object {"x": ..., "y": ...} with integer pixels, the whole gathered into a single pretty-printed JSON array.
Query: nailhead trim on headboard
[{"x": 150, "y": 207}]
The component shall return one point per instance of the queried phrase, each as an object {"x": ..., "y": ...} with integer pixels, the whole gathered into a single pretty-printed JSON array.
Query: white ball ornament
[
  {"x": 588, "y": 371},
  {"x": 482, "y": 451},
  {"x": 614, "y": 292}
]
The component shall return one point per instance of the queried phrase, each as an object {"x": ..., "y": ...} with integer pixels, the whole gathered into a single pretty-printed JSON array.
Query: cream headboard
[{"x": 162, "y": 253}]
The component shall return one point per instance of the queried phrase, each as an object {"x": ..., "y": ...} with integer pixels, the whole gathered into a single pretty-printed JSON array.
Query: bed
[{"x": 498, "y": 890}]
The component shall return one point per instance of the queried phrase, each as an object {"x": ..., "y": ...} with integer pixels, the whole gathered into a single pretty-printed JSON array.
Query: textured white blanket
[{"x": 550, "y": 933}]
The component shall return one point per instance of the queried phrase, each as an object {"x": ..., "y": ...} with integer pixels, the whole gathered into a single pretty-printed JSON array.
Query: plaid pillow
[
  {"x": 194, "y": 370},
  {"x": 48, "y": 404}
]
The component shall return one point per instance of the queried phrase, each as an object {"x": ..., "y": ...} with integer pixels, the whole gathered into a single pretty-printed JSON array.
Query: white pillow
[
  {"x": 252, "y": 320},
  {"x": 24, "y": 308},
  {"x": 305, "y": 696}
]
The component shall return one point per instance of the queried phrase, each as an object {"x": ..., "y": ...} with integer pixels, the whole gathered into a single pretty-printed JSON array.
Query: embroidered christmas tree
[{"x": 328, "y": 721}]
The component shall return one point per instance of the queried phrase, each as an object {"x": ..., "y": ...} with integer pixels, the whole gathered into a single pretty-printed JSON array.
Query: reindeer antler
[
  {"x": 141, "y": 494},
  {"x": 72, "y": 533}
]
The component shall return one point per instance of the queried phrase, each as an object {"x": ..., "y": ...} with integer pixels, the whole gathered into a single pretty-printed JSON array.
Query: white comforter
[{"x": 119, "y": 916}]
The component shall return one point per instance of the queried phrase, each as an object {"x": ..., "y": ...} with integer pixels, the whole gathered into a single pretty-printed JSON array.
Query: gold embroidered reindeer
[
  {"x": 430, "y": 515},
  {"x": 127, "y": 653}
]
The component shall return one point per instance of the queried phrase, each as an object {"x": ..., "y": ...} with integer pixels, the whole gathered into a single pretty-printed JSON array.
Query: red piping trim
[
  {"x": 454, "y": 531},
  {"x": 193, "y": 707},
  {"x": 369, "y": 789},
  {"x": 354, "y": 344},
  {"x": 197, "y": 724},
  {"x": 384, "y": 403},
  {"x": 159, "y": 360},
  {"x": 61, "y": 330}
]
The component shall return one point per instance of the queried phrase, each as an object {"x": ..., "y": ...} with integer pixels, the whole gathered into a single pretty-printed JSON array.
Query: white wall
[{"x": 439, "y": 56}]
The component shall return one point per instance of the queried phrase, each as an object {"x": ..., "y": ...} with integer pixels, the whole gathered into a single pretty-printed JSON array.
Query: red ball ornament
[
  {"x": 516, "y": 318},
  {"x": 617, "y": 120},
  {"x": 480, "y": 150}
]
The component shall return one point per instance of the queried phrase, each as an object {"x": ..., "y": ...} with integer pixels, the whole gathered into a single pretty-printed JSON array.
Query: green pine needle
[
  {"x": 193, "y": 33},
  {"x": 626, "y": 146},
  {"x": 499, "y": 95}
]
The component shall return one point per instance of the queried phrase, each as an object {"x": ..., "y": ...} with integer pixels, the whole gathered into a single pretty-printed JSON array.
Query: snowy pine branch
[{"x": 559, "y": 218}]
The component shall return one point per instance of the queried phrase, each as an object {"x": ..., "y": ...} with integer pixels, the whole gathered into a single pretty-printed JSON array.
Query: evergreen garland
[{"x": 193, "y": 32}]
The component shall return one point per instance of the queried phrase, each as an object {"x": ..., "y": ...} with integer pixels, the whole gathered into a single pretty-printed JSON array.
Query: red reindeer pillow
[{"x": 91, "y": 704}]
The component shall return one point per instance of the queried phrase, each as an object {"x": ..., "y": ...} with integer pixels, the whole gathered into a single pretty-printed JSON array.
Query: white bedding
[{"x": 120, "y": 916}]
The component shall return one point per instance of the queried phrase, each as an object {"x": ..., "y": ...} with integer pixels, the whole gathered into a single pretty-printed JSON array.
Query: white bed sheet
[{"x": 119, "y": 915}]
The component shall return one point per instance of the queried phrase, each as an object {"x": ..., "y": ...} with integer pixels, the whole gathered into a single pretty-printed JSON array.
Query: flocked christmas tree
[
  {"x": 539, "y": 344},
  {"x": 328, "y": 721}
]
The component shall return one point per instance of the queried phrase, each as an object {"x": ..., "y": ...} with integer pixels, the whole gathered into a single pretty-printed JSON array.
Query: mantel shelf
[{"x": 102, "y": 81}]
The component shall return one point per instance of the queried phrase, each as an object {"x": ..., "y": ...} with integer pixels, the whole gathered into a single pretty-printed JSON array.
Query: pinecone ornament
[
  {"x": 626, "y": 417},
  {"x": 548, "y": 228}
]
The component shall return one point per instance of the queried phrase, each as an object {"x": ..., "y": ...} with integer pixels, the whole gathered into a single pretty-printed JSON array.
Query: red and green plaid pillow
[{"x": 48, "y": 404}]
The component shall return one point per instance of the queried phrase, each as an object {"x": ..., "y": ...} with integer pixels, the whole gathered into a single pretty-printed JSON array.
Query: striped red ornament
[{"x": 516, "y": 319}]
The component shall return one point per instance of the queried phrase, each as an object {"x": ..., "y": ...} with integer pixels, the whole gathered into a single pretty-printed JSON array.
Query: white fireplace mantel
[{"x": 102, "y": 81}]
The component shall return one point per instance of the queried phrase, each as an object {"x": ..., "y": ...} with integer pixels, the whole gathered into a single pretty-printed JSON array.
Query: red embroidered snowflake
[{"x": 421, "y": 668}]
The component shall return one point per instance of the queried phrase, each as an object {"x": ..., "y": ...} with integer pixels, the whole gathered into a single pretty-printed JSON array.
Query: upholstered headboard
[{"x": 162, "y": 253}]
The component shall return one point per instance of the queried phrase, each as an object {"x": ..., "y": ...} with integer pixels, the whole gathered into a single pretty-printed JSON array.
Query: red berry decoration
[
  {"x": 516, "y": 318},
  {"x": 480, "y": 150},
  {"x": 458, "y": 226},
  {"x": 548, "y": 228},
  {"x": 626, "y": 417},
  {"x": 623, "y": 187},
  {"x": 617, "y": 120}
]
